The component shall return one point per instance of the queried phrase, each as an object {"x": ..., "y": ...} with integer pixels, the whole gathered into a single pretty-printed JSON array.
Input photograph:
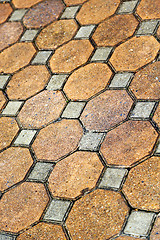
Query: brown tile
[
  {"x": 28, "y": 82},
  {"x": 148, "y": 9},
  {"x": 43, "y": 231},
  {"x": 146, "y": 83},
  {"x": 2, "y": 100},
  {"x": 56, "y": 34},
  {"x": 5, "y": 11},
  {"x": 128, "y": 238},
  {"x": 135, "y": 53},
  {"x": 75, "y": 174},
  {"x": 93, "y": 11},
  {"x": 42, "y": 109},
  {"x": 16, "y": 57},
  {"x": 155, "y": 234},
  {"x": 73, "y": 2},
  {"x": 142, "y": 185},
  {"x": 71, "y": 55},
  {"x": 106, "y": 110},
  {"x": 129, "y": 143},
  {"x": 158, "y": 32},
  {"x": 8, "y": 130},
  {"x": 57, "y": 140},
  {"x": 98, "y": 215},
  {"x": 156, "y": 116},
  {"x": 87, "y": 81},
  {"x": 43, "y": 13},
  {"x": 115, "y": 30},
  {"x": 22, "y": 206},
  {"x": 25, "y": 4},
  {"x": 14, "y": 162}
]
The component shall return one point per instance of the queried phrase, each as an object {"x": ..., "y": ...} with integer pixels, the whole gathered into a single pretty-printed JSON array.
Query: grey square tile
[
  {"x": 29, "y": 35},
  {"x": 158, "y": 148},
  {"x": 73, "y": 110},
  {"x": 3, "y": 80},
  {"x": 121, "y": 80},
  {"x": 90, "y": 141},
  {"x": 12, "y": 108},
  {"x": 70, "y": 12},
  {"x": 85, "y": 32},
  {"x": 3, "y": 1},
  {"x": 56, "y": 82},
  {"x": 57, "y": 210},
  {"x": 40, "y": 171},
  {"x": 6, "y": 237},
  {"x": 113, "y": 178},
  {"x": 142, "y": 110},
  {"x": 127, "y": 7},
  {"x": 17, "y": 15},
  {"x": 25, "y": 137},
  {"x": 41, "y": 57},
  {"x": 139, "y": 223},
  {"x": 101, "y": 54},
  {"x": 147, "y": 27}
]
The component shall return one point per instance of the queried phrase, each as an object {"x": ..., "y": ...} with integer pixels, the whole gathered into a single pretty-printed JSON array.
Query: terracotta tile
[
  {"x": 2, "y": 100},
  {"x": 146, "y": 83},
  {"x": 75, "y": 174},
  {"x": 43, "y": 13},
  {"x": 127, "y": 238},
  {"x": 87, "y": 81},
  {"x": 106, "y": 110},
  {"x": 57, "y": 140},
  {"x": 115, "y": 30},
  {"x": 158, "y": 32},
  {"x": 5, "y": 11},
  {"x": 42, "y": 109},
  {"x": 71, "y": 55},
  {"x": 156, "y": 116},
  {"x": 8, "y": 130},
  {"x": 129, "y": 142},
  {"x": 22, "y": 206},
  {"x": 9, "y": 62},
  {"x": 135, "y": 53},
  {"x": 25, "y": 3},
  {"x": 142, "y": 185},
  {"x": 28, "y": 82},
  {"x": 93, "y": 11},
  {"x": 148, "y": 9},
  {"x": 56, "y": 34},
  {"x": 156, "y": 229},
  {"x": 97, "y": 216},
  {"x": 73, "y": 2},
  {"x": 14, "y": 162}
]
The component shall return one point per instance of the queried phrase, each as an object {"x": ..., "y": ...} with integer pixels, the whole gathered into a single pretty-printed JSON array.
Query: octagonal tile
[
  {"x": 73, "y": 2},
  {"x": 156, "y": 116},
  {"x": 148, "y": 9},
  {"x": 2, "y": 100},
  {"x": 5, "y": 11},
  {"x": 156, "y": 229},
  {"x": 158, "y": 32},
  {"x": 25, "y": 4}
]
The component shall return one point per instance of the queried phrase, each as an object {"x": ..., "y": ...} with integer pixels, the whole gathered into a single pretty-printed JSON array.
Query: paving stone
[
  {"x": 147, "y": 9},
  {"x": 113, "y": 178},
  {"x": 25, "y": 137},
  {"x": 101, "y": 54},
  {"x": 73, "y": 2},
  {"x": 156, "y": 229},
  {"x": 9, "y": 33},
  {"x": 17, "y": 15},
  {"x": 75, "y": 174},
  {"x": 127, "y": 7},
  {"x": 95, "y": 213},
  {"x": 57, "y": 210},
  {"x": 85, "y": 31},
  {"x": 2, "y": 100},
  {"x": 142, "y": 110},
  {"x": 56, "y": 82},
  {"x": 15, "y": 163},
  {"x": 87, "y": 81},
  {"x": 12, "y": 108},
  {"x": 5, "y": 11},
  {"x": 3, "y": 80},
  {"x": 106, "y": 110},
  {"x": 114, "y": 30},
  {"x": 142, "y": 185},
  {"x": 121, "y": 80},
  {"x": 43, "y": 13},
  {"x": 28, "y": 200},
  {"x": 41, "y": 57},
  {"x": 158, "y": 148},
  {"x": 9, "y": 62},
  {"x": 158, "y": 32},
  {"x": 129, "y": 56},
  {"x": 28, "y": 35},
  {"x": 73, "y": 110},
  {"x": 40, "y": 171},
  {"x": 93, "y": 11},
  {"x": 27, "y": 82},
  {"x": 70, "y": 56},
  {"x": 156, "y": 116},
  {"x": 147, "y": 27},
  {"x": 70, "y": 12},
  {"x": 41, "y": 109},
  {"x": 128, "y": 238},
  {"x": 25, "y": 4},
  {"x": 91, "y": 141},
  {"x": 6, "y": 237},
  {"x": 139, "y": 223},
  {"x": 128, "y": 143},
  {"x": 56, "y": 34}
]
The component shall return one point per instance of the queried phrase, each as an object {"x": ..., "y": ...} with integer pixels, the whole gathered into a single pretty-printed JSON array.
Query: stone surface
[
  {"x": 128, "y": 238},
  {"x": 28, "y": 35},
  {"x": 70, "y": 56},
  {"x": 127, "y": 6},
  {"x": 73, "y": 110},
  {"x": 2, "y": 100},
  {"x": 56, "y": 34},
  {"x": 28, "y": 200},
  {"x": 12, "y": 108},
  {"x": 147, "y": 27},
  {"x": 85, "y": 31},
  {"x": 142, "y": 185},
  {"x": 91, "y": 141},
  {"x": 156, "y": 116},
  {"x": 121, "y": 80},
  {"x": 115, "y": 29},
  {"x": 70, "y": 12},
  {"x": 56, "y": 82},
  {"x": 17, "y": 15},
  {"x": 5, "y": 11},
  {"x": 158, "y": 32},
  {"x": 6, "y": 237},
  {"x": 40, "y": 171},
  {"x": 9, "y": 62},
  {"x": 106, "y": 110},
  {"x": 57, "y": 140},
  {"x": 75, "y": 174},
  {"x": 101, "y": 54},
  {"x": 87, "y": 81},
  {"x": 41, "y": 57},
  {"x": 25, "y": 3},
  {"x": 156, "y": 229},
  {"x": 95, "y": 213},
  {"x": 142, "y": 110},
  {"x": 148, "y": 9},
  {"x": 129, "y": 143},
  {"x": 25, "y": 137},
  {"x": 3, "y": 80},
  {"x": 135, "y": 53},
  {"x": 14, "y": 164},
  {"x": 73, "y": 2},
  {"x": 41, "y": 109}
]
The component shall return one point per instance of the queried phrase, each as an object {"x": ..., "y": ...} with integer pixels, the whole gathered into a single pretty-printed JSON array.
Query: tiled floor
[{"x": 79, "y": 119}]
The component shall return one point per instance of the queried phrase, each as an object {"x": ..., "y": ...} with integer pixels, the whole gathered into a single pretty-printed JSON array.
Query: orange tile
[
  {"x": 148, "y": 9},
  {"x": 156, "y": 116},
  {"x": 2, "y": 100},
  {"x": 25, "y": 4},
  {"x": 5, "y": 11},
  {"x": 156, "y": 229},
  {"x": 73, "y": 2},
  {"x": 158, "y": 32}
]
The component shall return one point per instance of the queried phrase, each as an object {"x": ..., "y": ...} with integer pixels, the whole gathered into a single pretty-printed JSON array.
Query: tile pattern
[{"x": 5, "y": 11}]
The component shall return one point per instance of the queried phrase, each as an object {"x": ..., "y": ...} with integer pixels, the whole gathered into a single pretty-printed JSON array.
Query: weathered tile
[
  {"x": 147, "y": 27},
  {"x": 17, "y": 15},
  {"x": 73, "y": 2},
  {"x": 56, "y": 82},
  {"x": 85, "y": 32},
  {"x": 90, "y": 141},
  {"x": 5, "y": 11},
  {"x": 25, "y": 4},
  {"x": 156, "y": 116},
  {"x": 3, "y": 80},
  {"x": 128, "y": 238},
  {"x": 73, "y": 110},
  {"x": 2, "y": 100},
  {"x": 127, "y": 7},
  {"x": 158, "y": 32},
  {"x": 142, "y": 110},
  {"x": 70, "y": 12},
  {"x": 147, "y": 9},
  {"x": 28, "y": 35},
  {"x": 6, "y": 237},
  {"x": 158, "y": 148},
  {"x": 12, "y": 108},
  {"x": 121, "y": 80},
  {"x": 156, "y": 229},
  {"x": 41, "y": 57},
  {"x": 40, "y": 171},
  {"x": 101, "y": 54},
  {"x": 25, "y": 137}
]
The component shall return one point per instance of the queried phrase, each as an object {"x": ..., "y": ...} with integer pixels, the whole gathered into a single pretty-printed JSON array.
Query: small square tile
[
  {"x": 57, "y": 210},
  {"x": 147, "y": 27},
  {"x": 29, "y": 35},
  {"x": 158, "y": 148},
  {"x": 121, "y": 80},
  {"x": 90, "y": 141},
  {"x": 101, "y": 54},
  {"x": 73, "y": 110},
  {"x": 6, "y": 237},
  {"x": 127, "y": 7},
  {"x": 85, "y": 31},
  {"x": 25, "y": 137},
  {"x": 113, "y": 178},
  {"x": 70, "y": 12},
  {"x": 56, "y": 82},
  {"x": 40, "y": 171},
  {"x": 3, "y": 80},
  {"x": 12, "y": 108},
  {"x": 139, "y": 223},
  {"x": 17, "y": 15},
  {"x": 41, "y": 57},
  {"x": 3, "y": 1},
  {"x": 142, "y": 110}
]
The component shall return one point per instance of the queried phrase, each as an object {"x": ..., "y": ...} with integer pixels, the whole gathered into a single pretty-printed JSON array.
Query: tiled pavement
[{"x": 79, "y": 119}]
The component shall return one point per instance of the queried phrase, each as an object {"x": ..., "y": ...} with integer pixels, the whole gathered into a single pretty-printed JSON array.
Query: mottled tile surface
[
  {"x": 156, "y": 116},
  {"x": 5, "y": 11},
  {"x": 25, "y": 3},
  {"x": 149, "y": 9}
]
